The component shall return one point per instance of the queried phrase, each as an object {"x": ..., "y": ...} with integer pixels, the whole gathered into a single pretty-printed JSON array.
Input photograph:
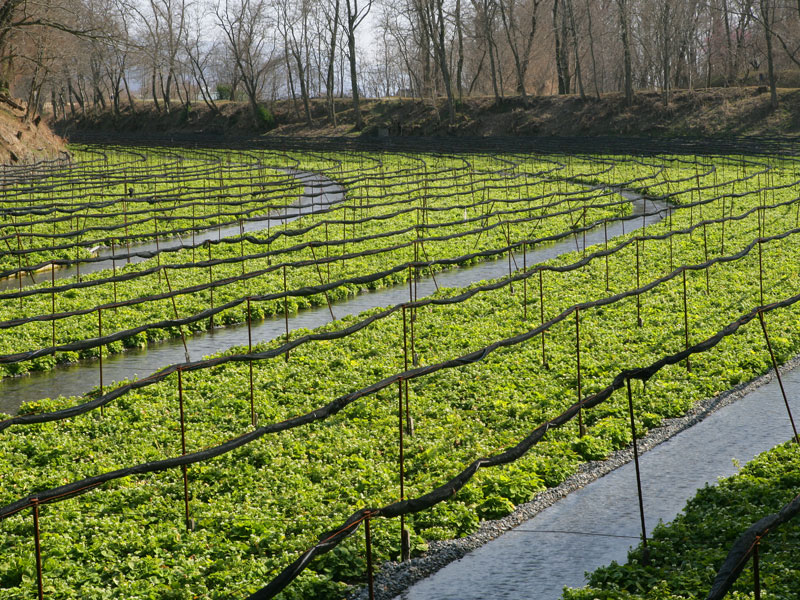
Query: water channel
[
  {"x": 79, "y": 378},
  {"x": 598, "y": 524},
  {"x": 589, "y": 528}
]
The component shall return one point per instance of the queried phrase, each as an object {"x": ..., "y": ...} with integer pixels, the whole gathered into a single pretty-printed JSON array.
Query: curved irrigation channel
[
  {"x": 585, "y": 529},
  {"x": 79, "y": 378},
  {"x": 551, "y": 542},
  {"x": 318, "y": 192}
]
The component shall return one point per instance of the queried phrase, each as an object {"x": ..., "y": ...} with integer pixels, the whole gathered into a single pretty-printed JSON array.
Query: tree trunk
[
  {"x": 153, "y": 90},
  {"x": 665, "y": 51},
  {"x": 329, "y": 80},
  {"x": 626, "y": 50},
  {"x": 460, "y": 63},
  {"x": 768, "y": 16},
  {"x": 591, "y": 49},
  {"x": 574, "y": 35},
  {"x": 351, "y": 46}
]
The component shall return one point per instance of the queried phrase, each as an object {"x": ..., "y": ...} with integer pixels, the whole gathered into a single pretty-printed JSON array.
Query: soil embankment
[
  {"x": 715, "y": 112},
  {"x": 24, "y": 140}
]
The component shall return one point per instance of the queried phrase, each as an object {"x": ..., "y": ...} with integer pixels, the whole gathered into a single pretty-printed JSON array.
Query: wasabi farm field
[{"x": 481, "y": 321}]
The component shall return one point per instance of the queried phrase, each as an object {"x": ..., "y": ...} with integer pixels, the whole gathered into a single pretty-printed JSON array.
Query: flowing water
[
  {"x": 598, "y": 524},
  {"x": 78, "y": 378}
]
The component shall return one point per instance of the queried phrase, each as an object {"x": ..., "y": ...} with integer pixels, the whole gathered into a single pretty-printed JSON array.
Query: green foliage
[
  {"x": 224, "y": 92},
  {"x": 257, "y": 508},
  {"x": 265, "y": 117},
  {"x": 686, "y": 554}
]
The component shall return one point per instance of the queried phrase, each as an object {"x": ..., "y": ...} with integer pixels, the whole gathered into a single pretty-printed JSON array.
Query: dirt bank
[
  {"x": 716, "y": 112},
  {"x": 25, "y": 140}
]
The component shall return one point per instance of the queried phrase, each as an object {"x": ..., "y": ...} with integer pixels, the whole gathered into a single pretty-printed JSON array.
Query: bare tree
[
  {"x": 293, "y": 18},
  {"x": 768, "y": 22},
  {"x": 245, "y": 26},
  {"x": 355, "y": 16},
  {"x": 519, "y": 33},
  {"x": 624, "y": 19}
]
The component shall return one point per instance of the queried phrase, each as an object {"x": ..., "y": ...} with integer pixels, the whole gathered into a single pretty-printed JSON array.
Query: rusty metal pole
[
  {"x": 686, "y": 322},
  {"x": 210, "y": 281},
  {"x": 241, "y": 243},
  {"x": 409, "y": 420},
  {"x": 756, "y": 571},
  {"x": 645, "y": 551},
  {"x": 368, "y": 540},
  {"x": 286, "y": 310},
  {"x": 525, "y": 281},
  {"x": 405, "y": 550},
  {"x": 322, "y": 282},
  {"x": 114, "y": 270},
  {"x": 584, "y": 230},
  {"x": 99, "y": 337},
  {"x": 250, "y": 351},
  {"x": 605, "y": 239},
  {"x": 53, "y": 301},
  {"x": 541, "y": 312},
  {"x": 778, "y": 375},
  {"x": 722, "y": 247},
  {"x": 412, "y": 317},
  {"x": 581, "y": 428},
  {"x": 638, "y": 295},
  {"x": 705, "y": 252},
  {"x": 760, "y": 274},
  {"x": 183, "y": 452},
  {"x": 38, "y": 547}
]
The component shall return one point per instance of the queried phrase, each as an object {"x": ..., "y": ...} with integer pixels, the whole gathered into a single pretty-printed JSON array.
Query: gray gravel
[{"x": 393, "y": 577}]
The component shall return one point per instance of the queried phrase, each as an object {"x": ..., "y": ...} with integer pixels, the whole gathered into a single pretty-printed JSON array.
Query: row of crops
[{"x": 215, "y": 477}]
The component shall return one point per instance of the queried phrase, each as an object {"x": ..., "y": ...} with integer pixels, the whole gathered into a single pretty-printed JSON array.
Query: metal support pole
[
  {"x": 638, "y": 296},
  {"x": 100, "y": 336},
  {"x": 286, "y": 310},
  {"x": 53, "y": 301},
  {"x": 114, "y": 269},
  {"x": 760, "y": 274},
  {"x": 368, "y": 540},
  {"x": 605, "y": 239},
  {"x": 38, "y": 546},
  {"x": 541, "y": 312},
  {"x": 645, "y": 551},
  {"x": 686, "y": 322},
  {"x": 250, "y": 351},
  {"x": 211, "y": 289},
  {"x": 183, "y": 452},
  {"x": 581, "y": 428},
  {"x": 405, "y": 550},
  {"x": 525, "y": 282},
  {"x": 778, "y": 375},
  {"x": 756, "y": 571}
]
